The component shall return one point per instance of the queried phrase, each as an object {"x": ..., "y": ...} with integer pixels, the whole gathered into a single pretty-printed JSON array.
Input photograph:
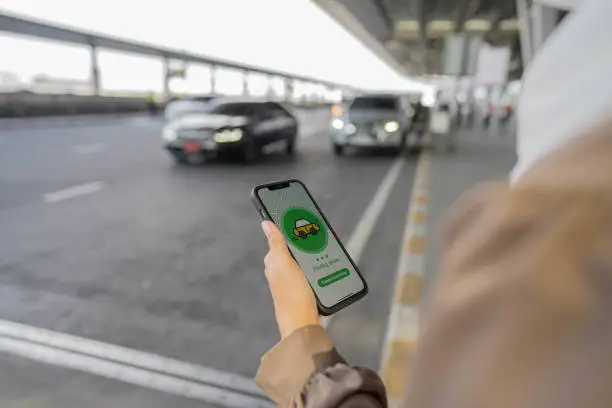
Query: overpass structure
[
  {"x": 33, "y": 28},
  {"x": 430, "y": 37},
  {"x": 423, "y": 38},
  {"x": 416, "y": 37}
]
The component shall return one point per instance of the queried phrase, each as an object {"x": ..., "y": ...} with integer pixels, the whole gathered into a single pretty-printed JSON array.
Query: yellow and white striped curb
[{"x": 402, "y": 328}]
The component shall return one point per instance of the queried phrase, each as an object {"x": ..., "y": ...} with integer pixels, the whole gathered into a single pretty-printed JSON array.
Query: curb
[{"x": 403, "y": 325}]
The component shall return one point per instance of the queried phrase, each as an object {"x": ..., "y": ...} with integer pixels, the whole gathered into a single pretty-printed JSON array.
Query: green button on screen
[{"x": 333, "y": 277}]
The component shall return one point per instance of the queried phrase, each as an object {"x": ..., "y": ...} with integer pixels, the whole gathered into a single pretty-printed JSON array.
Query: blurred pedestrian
[
  {"x": 152, "y": 104},
  {"x": 506, "y": 118},
  {"x": 521, "y": 314},
  {"x": 488, "y": 114},
  {"x": 419, "y": 123}
]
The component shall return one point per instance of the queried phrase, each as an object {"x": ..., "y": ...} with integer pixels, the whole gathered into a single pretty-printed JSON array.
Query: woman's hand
[{"x": 295, "y": 305}]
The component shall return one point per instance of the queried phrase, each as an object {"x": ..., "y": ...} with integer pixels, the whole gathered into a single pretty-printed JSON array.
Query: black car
[
  {"x": 177, "y": 107},
  {"x": 241, "y": 127}
]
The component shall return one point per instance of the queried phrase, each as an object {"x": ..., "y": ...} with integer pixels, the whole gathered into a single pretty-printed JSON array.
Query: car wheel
[
  {"x": 338, "y": 150},
  {"x": 250, "y": 153},
  {"x": 403, "y": 142},
  {"x": 290, "y": 147}
]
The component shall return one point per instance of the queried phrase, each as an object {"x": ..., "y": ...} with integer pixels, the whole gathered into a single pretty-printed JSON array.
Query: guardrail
[
  {"x": 30, "y": 104},
  {"x": 311, "y": 119},
  {"x": 27, "y": 104}
]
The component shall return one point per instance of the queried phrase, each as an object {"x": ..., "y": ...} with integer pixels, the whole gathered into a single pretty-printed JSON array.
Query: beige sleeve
[{"x": 304, "y": 370}]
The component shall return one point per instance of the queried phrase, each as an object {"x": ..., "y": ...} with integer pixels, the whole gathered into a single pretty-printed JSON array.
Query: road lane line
[
  {"x": 89, "y": 148},
  {"x": 363, "y": 230},
  {"x": 129, "y": 356},
  {"x": 132, "y": 375},
  {"x": 361, "y": 234},
  {"x": 73, "y": 192},
  {"x": 401, "y": 334}
]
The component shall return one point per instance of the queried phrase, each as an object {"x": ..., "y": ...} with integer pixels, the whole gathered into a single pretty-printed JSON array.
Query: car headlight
[
  {"x": 228, "y": 135},
  {"x": 391, "y": 127},
  {"x": 169, "y": 134},
  {"x": 345, "y": 127}
]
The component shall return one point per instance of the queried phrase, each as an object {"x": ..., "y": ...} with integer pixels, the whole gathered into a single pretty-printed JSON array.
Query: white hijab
[{"x": 568, "y": 87}]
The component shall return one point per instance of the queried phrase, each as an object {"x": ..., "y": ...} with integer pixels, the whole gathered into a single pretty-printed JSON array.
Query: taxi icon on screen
[{"x": 303, "y": 228}]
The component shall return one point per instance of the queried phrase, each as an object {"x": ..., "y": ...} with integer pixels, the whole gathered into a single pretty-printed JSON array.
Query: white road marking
[
  {"x": 73, "y": 192},
  {"x": 89, "y": 148},
  {"x": 132, "y": 375},
  {"x": 361, "y": 234},
  {"x": 363, "y": 230},
  {"x": 129, "y": 356}
]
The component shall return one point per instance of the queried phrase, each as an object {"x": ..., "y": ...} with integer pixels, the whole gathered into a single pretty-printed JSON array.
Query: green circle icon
[{"x": 304, "y": 230}]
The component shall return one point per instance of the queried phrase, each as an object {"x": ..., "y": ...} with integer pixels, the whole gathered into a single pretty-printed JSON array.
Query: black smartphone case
[{"x": 323, "y": 311}]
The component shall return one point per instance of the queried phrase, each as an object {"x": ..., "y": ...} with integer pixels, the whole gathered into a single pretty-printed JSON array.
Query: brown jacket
[{"x": 522, "y": 314}]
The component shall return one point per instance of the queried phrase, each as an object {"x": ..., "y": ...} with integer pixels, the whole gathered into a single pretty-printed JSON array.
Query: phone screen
[{"x": 311, "y": 241}]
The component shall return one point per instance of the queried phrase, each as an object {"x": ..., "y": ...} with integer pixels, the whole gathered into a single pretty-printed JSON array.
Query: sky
[{"x": 294, "y": 36}]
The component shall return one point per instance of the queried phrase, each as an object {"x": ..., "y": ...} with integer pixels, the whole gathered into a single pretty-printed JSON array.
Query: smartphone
[{"x": 331, "y": 272}]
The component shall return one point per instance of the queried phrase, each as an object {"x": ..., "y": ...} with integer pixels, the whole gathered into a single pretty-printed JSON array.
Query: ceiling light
[{"x": 477, "y": 25}]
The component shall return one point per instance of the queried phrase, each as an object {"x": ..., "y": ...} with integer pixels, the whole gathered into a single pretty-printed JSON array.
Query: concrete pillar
[
  {"x": 213, "y": 79},
  {"x": 167, "y": 75},
  {"x": 95, "y": 70},
  {"x": 288, "y": 89},
  {"x": 544, "y": 21},
  {"x": 245, "y": 83},
  {"x": 474, "y": 44},
  {"x": 495, "y": 95},
  {"x": 454, "y": 54},
  {"x": 526, "y": 37},
  {"x": 270, "y": 92}
]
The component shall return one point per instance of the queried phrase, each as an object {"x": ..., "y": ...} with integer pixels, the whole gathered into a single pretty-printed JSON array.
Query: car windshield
[
  {"x": 179, "y": 108},
  {"x": 378, "y": 103},
  {"x": 235, "y": 109}
]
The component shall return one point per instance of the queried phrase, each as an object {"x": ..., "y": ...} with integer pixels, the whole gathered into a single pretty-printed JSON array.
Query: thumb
[{"x": 276, "y": 241}]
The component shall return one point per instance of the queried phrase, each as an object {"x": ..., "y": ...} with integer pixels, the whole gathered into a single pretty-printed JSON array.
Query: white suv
[{"x": 380, "y": 120}]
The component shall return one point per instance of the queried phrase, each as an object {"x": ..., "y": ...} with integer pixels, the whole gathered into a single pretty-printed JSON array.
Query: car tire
[
  {"x": 338, "y": 149},
  {"x": 403, "y": 142},
  {"x": 290, "y": 148},
  {"x": 249, "y": 153}
]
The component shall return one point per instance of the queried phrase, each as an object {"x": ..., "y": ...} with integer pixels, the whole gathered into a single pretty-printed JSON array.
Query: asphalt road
[{"x": 103, "y": 236}]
